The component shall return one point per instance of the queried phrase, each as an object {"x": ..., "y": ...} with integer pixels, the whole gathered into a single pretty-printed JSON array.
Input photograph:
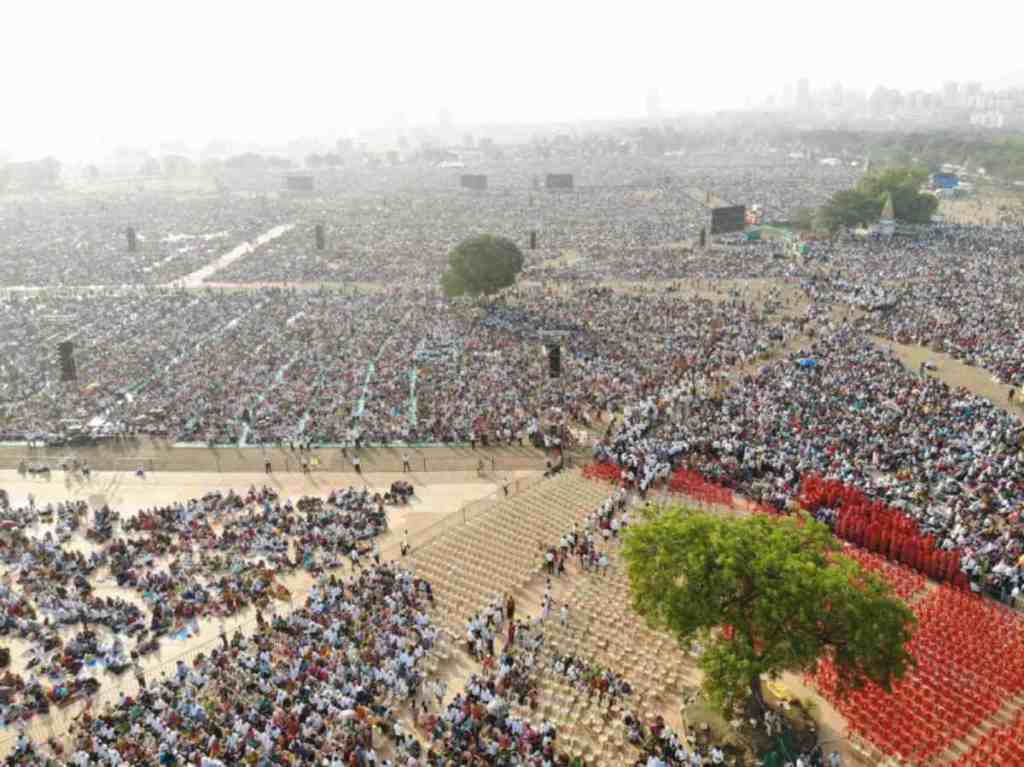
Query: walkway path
[
  {"x": 413, "y": 412},
  {"x": 198, "y": 277},
  {"x": 953, "y": 372}
]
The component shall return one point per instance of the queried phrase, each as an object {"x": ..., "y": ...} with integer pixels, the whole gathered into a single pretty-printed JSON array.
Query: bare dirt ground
[
  {"x": 953, "y": 372},
  {"x": 990, "y": 206}
]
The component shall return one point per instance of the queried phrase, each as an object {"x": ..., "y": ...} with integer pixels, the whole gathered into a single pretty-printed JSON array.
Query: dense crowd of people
[
  {"x": 340, "y": 367},
  {"x": 394, "y": 363},
  {"x": 173, "y": 565},
  {"x": 80, "y": 240},
  {"x": 845, "y": 409},
  {"x": 395, "y": 225},
  {"x": 321, "y": 685}
]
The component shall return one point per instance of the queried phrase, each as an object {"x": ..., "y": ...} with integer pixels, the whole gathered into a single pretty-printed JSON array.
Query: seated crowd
[
  {"x": 845, "y": 409},
  {"x": 322, "y": 685},
  {"x": 205, "y": 558},
  {"x": 332, "y": 367}
]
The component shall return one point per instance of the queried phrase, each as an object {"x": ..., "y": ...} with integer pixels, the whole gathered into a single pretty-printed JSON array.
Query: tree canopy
[
  {"x": 863, "y": 205},
  {"x": 763, "y": 595},
  {"x": 481, "y": 265}
]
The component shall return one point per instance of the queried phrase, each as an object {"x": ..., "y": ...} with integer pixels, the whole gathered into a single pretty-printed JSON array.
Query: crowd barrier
[{"x": 252, "y": 459}]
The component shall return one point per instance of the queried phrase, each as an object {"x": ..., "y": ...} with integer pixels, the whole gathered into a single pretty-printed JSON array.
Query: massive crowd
[
  {"x": 394, "y": 363},
  {"x": 845, "y": 409},
  {"x": 80, "y": 240},
  {"x": 954, "y": 288},
  {"x": 392, "y": 226},
  {"x": 173, "y": 566},
  {"x": 321, "y": 685},
  {"x": 332, "y": 367}
]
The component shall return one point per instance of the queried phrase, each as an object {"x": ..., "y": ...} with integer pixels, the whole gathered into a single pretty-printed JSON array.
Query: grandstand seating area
[
  {"x": 963, "y": 700},
  {"x": 501, "y": 552}
]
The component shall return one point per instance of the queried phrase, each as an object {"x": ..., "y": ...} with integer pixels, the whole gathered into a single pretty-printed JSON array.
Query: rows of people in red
[
  {"x": 880, "y": 528},
  {"x": 856, "y": 518}
]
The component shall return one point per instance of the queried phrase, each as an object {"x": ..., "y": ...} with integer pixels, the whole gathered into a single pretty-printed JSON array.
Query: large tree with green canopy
[
  {"x": 481, "y": 265},
  {"x": 763, "y": 595},
  {"x": 863, "y": 205}
]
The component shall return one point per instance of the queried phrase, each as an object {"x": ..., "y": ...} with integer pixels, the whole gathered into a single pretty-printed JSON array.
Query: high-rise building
[
  {"x": 653, "y": 104},
  {"x": 445, "y": 120},
  {"x": 950, "y": 94},
  {"x": 803, "y": 94},
  {"x": 972, "y": 94},
  {"x": 835, "y": 96}
]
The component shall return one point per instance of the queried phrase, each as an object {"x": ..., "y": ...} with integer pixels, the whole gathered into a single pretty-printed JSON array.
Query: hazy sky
[{"x": 80, "y": 77}]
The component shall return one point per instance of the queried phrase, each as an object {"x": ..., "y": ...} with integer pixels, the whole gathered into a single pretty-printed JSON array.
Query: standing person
[
  {"x": 510, "y": 608},
  {"x": 440, "y": 688},
  {"x": 563, "y": 615},
  {"x": 140, "y": 676},
  {"x": 376, "y": 553},
  {"x": 406, "y": 468},
  {"x": 355, "y": 465},
  {"x": 405, "y": 542},
  {"x": 267, "y": 467}
]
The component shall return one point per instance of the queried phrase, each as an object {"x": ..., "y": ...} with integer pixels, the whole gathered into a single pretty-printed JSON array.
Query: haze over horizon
[{"x": 83, "y": 80}]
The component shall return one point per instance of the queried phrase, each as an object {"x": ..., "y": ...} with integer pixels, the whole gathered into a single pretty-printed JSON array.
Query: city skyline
[{"x": 120, "y": 74}]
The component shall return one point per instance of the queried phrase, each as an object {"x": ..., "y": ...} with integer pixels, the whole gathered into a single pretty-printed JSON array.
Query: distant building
[
  {"x": 950, "y": 94},
  {"x": 973, "y": 95},
  {"x": 992, "y": 118},
  {"x": 653, "y": 104},
  {"x": 803, "y": 94}
]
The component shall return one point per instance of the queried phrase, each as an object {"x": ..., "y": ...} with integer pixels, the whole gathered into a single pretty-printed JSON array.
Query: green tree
[
  {"x": 850, "y": 208},
  {"x": 904, "y": 184},
  {"x": 863, "y": 205},
  {"x": 803, "y": 219},
  {"x": 481, "y": 265},
  {"x": 764, "y": 596}
]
